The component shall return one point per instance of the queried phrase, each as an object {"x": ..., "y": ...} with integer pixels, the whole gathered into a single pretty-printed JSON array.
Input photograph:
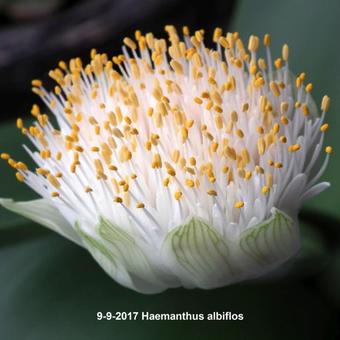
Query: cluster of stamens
[{"x": 174, "y": 121}]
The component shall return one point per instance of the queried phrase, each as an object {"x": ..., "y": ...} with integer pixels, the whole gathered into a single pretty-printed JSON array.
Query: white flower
[{"x": 187, "y": 167}]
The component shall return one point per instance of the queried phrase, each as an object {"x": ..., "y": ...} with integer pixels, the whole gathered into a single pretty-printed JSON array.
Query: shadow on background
[{"x": 34, "y": 39}]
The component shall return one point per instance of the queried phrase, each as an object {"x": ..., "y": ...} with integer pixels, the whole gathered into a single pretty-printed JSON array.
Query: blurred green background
[{"x": 52, "y": 289}]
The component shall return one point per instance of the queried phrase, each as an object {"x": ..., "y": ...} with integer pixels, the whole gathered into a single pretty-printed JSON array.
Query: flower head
[{"x": 175, "y": 164}]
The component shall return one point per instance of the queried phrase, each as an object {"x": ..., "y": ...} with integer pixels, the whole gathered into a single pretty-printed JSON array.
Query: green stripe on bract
[
  {"x": 93, "y": 243},
  {"x": 272, "y": 241},
  {"x": 130, "y": 255},
  {"x": 99, "y": 252},
  {"x": 198, "y": 255},
  {"x": 110, "y": 258}
]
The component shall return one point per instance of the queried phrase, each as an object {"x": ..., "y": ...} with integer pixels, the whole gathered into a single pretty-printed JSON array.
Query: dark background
[{"x": 52, "y": 289}]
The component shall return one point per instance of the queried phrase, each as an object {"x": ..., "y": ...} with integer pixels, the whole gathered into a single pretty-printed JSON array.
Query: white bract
[{"x": 185, "y": 166}]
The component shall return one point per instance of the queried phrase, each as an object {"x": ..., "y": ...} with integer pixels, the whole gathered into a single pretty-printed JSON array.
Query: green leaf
[{"x": 198, "y": 255}]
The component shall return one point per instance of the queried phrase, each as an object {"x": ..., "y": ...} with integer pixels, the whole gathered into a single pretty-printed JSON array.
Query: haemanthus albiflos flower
[{"x": 175, "y": 164}]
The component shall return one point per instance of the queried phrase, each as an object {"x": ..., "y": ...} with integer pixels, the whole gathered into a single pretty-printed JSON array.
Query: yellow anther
[
  {"x": 95, "y": 149},
  {"x": 269, "y": 179},
  {"x": 253, "y": 67},
  {"x": 278, "y": 63},
  {"x": 241, "y": 172},
  {"x": 234, "y": 116},
  {"x": 253, "y": 43},
  {"x": 259, "y": 82},
  {"x": 55, "y": 194},
  {"x": 248, "y": 175},
  {"x": 302, "y": 76},
  {"x": 212, "y": 192},
  {"x": 260, "y": 130},
  {"x": 171, "y": 172},
  {"x": 239, "y": 133},
  {"x": 19, "y": 177},
  {"x": 19, "y": 123},
  {"x": 259, "y": 169},
  {"x": 88, "y": 189},
  {"x": 99, "y": 166},
  {"x": 21, "y": 166},
  {"x": 129, "y": 43},
  {"x": 214, "y": 146},
  {"x": 261, "y": 146},
  {"x": 298, "y": 82},
  {"x": 324, "y": 127},
  {"x": 284, "y": 120},
  {"x": 79, "y": 148},
  {"x": 239, "y": 204},
  {"x": 118, "y": 199},
  {"x": 36, "y": 82},
  {"x": 305, "y": 110},
  {"x": 176, "y": 66},
  {"x": 113, "y": 168},
  {"x": 166, "y": 181},
  {"x": 274, "y": 88},
  {"x": 276, "y": 128},
  {"x": 53, "y": 180},
  {"x": 189, "y": 123},
  {"x": 156, "y": 161},
  {"x": 73, "y": 168},
  {"x": 231, "y": 153},
  {"x": 148, "y": 145},
  {"x": 297, "y": 104},
  {"x": 245, "y": 107},
  {"x": 328, "y": 149},
  {"x": 285, "y": 52},
  {"x": 217, "y": 34},
  {"x": 265, "y": 189},
  {"x": 283, "y": 139},
  {"x": 185, "y": 30},
  {"x": 266, "y": 40},
  {"x": 42, "y": 171},
  {"x": 294, "y": 147},
  {"x": 223, "y": 42},
  {"x": 284, "y": 107},
  {"x": 140, "y": 205},
  {"x": 309, "y": 87},
  {"x": 198, "y": 100},
  {"x": 127, "y": 120},
  {"x": 5, "y": 156},
  {"x": 184, "y": 134},
  {"x": 325, "y": 103},
  {"x": 190, "y": 183},
  {"x": 178, "y": 195},
  {"x": 121, "y": 182},
  {"x": 262, "y": 64}
]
